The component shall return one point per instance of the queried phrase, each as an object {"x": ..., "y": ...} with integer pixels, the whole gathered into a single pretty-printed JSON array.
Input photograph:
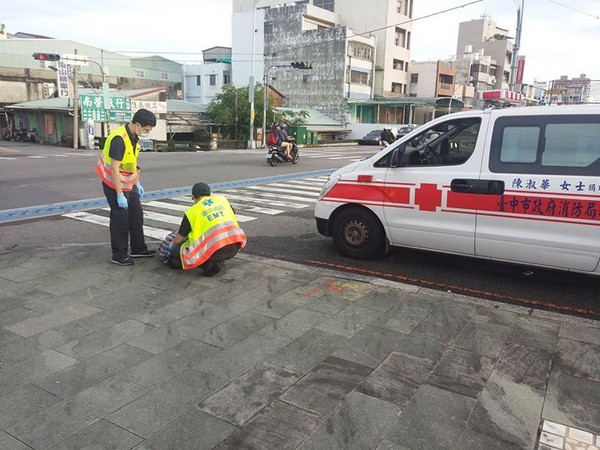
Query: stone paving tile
[
  {"x": 192, "y": 326},
  {"x": 302, "y": 354},
  {"x": 26, "y": 401},
  {"x": 235, "y": 329},
  {"x": 579, "y": 333},
  {"x": 15, "y": 315},
  {"x": 66, "y": 418},
  {"x": 431, "y": 405},
  {"x": 278, "y": 426},
  {"x": 53, "y": 302},
  {"x": 248, "y": 394},
  {"x": 348, "y": 321},
  {"x": 494, "y": 316},
  {"x": 148, "y": 414},
  {"x": 193, "y": 430},
  {"x": 10, "y": 443},
  {"x": 173, "y": 311},
  {"x": 239, "y": 358},
  {"x": 19, "y": 374},
  {"x": 359, "y": 423},
  {"x": 129, "y": 294},
  {"x": 45, "y": 322},
  {"x": 7, "y": 338},
  {"x": 483, "y": 337},
  {"x": 69, "y": 381},
  {"x": 533, "y": 332},
  {"x": 573, "y": 401},
  {"x": 462, "y": 372},
  {"x": 156, "y": 340},
  {"x": 397, "y": 378},
  {"x": 278, "y": 307},
  {"x": 170, "y": 363},
  {"x": 578, "y": 359},
  {"x": 18, "y": 274},
  {"x": 322, "y": 389},
  {"x": 402, "y": 318},
  {"x": 104, "y": 339},
  {"x": 509, "y": 407},
  {"x": 100, "y": 434},
  {"x": 227, "y": 309},
  {"x": 380, "y": 299},
  {"x": 371, "y": 345},
  {"x": 446, "y": 321},
  {"x": 294, "y": 325}
]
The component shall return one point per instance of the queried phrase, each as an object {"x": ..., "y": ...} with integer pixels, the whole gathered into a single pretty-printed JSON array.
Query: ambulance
[{"x": 520, "y": 185}]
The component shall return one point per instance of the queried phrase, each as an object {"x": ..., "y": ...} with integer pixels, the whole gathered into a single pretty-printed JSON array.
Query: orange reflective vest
[
  {"x": 214, "y": 226},
  {"x": 128, "y": 171}
]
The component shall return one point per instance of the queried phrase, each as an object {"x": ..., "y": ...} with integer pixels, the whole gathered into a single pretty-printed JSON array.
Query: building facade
[{"x": 202, "y": 82}]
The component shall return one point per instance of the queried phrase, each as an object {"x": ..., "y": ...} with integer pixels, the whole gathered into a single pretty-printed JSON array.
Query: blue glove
[
  {"x": 122, "y": 201},
  {"x": 140, "y": 188}
]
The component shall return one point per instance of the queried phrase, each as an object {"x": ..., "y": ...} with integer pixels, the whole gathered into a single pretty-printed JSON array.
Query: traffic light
[
  {"x": 302, "y": 65},
  {"x": 46, "y": 56}
]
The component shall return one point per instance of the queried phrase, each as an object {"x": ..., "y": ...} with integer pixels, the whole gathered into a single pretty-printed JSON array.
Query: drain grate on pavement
[{"x": 555, "y": 436}]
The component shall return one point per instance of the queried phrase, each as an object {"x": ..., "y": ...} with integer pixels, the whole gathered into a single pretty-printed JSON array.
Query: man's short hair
[
  {"x": 144, "y": 117},
  {"x": 200, "y": 190}
]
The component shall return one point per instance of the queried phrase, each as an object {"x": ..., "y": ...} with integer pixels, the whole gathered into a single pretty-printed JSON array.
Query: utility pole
[
  {"x": 513, "y": 66},
  {"x": 75, "y": 108}
]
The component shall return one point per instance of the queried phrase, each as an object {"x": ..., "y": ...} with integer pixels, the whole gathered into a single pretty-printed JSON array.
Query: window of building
[
  {"x": 400, "y": 65},
  {"x": 357, "y": 77},
  {"x": 212, "y": 80},
  {"x": 226, "y": 78},
  {"x": 360, "y": 50},
  {"x": 414, "y": 77},
  {"x": 164, "y": 76},
  {"x": 400, "y": 37},
  {"x": 198, "y": 80},
  {"x": 139, "y": 73},
  {"x": 397, "y": 88},
  {"x": 325, "y": 4},
  {"x": 306, "y": 79},
  {"x": 399, "y": 9},
  {"x": 268, "y": 28}
]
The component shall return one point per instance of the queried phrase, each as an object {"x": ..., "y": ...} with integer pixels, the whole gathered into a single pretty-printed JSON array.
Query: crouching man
[{"x": 208, "y": 235}]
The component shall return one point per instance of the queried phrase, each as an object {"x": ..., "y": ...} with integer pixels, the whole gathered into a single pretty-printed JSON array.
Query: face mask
[{"x": 143, "y": 133}]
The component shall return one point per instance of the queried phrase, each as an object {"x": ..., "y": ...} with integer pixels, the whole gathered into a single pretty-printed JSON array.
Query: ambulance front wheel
[{"x": 357, "y": 233}]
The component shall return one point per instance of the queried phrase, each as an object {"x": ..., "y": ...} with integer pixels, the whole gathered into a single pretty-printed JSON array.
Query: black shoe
[
  {"x": 125, "y": 261},
  {"x": 144, "y": 254},
  {"x": 213, "y": 269}
]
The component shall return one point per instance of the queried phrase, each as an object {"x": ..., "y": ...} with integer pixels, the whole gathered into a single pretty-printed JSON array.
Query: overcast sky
[{"x": 560, "y": 37}]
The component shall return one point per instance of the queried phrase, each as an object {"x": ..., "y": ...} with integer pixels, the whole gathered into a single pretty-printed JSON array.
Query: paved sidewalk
[{"x": 273, "y": 355}]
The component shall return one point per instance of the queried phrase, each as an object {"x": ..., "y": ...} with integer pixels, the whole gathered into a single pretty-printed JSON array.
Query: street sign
[
  {"x": 93, "y": 107},
  {"x": 74, "y": 60},
  {"x": 64, "y": 79}
]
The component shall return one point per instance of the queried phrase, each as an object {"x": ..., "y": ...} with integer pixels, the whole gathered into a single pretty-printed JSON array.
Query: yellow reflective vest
[
  {"x": 128, "y": 169},
  {"x": 213, "y": 226}
]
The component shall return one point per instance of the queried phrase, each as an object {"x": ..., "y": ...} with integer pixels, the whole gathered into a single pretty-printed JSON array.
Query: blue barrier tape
[{"x": 12, "y": 215}]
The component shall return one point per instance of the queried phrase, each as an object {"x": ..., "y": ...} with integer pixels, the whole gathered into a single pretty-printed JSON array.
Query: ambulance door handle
[{"x": 466, "y": 186}]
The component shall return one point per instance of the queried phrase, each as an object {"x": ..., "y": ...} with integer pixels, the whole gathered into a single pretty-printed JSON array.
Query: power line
[{"x": 575, "y": 9}]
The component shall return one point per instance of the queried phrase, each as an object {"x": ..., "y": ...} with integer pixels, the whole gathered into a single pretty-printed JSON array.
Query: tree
[{"x": 231, "y": 109}]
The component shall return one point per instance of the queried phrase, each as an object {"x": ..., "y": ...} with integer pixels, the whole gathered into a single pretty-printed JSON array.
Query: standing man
[
  {"x": 208, "y": 235},
  {"x": 120, "y": 176}
]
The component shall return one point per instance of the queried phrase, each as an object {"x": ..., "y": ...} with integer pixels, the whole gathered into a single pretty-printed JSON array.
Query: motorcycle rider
[
  {"x": 387, "y": 137},
  {"x": 285, "y": 140}
]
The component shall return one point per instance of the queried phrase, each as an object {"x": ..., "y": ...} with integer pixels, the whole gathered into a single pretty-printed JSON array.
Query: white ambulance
[{"x": 520, "y": 185}]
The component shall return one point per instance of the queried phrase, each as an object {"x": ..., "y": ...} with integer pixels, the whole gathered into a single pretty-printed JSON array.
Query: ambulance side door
[
  {"x": 421, "y": 209},
  {"x": 549, "y": 213}
]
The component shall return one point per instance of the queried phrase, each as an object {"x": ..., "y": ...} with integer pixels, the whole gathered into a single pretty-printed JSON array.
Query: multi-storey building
[
  {"x": 490, "y": 51},
  {"x": 202, "y": 82},
  {"x": 574, "y": 91}
]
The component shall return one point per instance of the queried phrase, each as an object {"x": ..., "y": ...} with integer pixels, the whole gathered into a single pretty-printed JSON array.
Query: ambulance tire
[{"x": 358, "y": 234}]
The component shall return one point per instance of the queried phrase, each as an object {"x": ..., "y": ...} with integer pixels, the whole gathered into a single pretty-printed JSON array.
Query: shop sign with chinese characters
[{"x": 92, "y": 107}]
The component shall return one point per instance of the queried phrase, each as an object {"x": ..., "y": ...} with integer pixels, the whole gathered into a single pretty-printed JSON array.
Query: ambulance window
[
  {"x": 519, "y": 144},
  {"x": 581, "y": 139}
]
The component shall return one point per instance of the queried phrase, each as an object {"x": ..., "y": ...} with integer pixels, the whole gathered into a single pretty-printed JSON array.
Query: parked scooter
[
  {"x": 276, "y": 155},
  {"x": 24, "y": 135}
]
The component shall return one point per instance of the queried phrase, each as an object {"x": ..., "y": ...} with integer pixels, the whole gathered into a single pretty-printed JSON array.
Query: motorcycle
[
  {"x": 23, "y": 135},
  {"x": 276, "y": 155}
]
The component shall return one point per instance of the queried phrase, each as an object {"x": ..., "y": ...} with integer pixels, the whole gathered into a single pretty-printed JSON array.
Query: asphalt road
[{"x": 36, "y": 175}]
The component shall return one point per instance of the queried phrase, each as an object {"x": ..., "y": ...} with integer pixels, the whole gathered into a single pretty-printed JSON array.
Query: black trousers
[
  {"x": 126, "y": 225},
  {"x": 224, "y": 253}
]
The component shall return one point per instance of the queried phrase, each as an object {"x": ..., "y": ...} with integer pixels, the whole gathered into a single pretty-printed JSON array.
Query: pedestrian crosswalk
[{"x": 250, "y": 203}]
